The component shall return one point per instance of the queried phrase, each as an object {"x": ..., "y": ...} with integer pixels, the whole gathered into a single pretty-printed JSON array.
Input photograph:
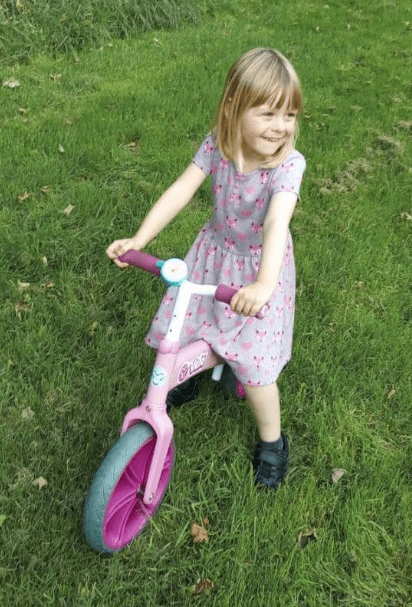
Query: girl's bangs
[
  {"x": 281, "y": 97},
  {"x": 276, "y": 92}
]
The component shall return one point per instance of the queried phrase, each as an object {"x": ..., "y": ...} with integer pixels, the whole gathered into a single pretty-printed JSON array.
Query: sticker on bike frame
[
  {"x": 192, "y": 367},
  {"x": 159, "y": 376}
]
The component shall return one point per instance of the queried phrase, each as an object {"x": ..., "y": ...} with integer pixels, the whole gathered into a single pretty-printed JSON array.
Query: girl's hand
[
  {"x": 249, "y": 300},
  {"x": 119, "y": 247}
]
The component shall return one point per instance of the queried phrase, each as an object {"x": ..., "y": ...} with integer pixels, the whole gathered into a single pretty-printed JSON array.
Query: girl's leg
[
  {"x": 264, "y": 402},
  {"x": 270, "y": 461}
]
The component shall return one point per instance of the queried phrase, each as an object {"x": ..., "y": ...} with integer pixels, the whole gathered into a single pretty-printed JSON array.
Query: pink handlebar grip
[
  {"x": 225, "y": 294},
  {"x": 141, "y": 260}
]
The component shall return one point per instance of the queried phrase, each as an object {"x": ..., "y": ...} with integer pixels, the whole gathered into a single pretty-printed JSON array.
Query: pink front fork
[
  {"x": 153, "y": 411},
  {"x": 161, "y": 423},
  {"x": 172, "y": 367}
]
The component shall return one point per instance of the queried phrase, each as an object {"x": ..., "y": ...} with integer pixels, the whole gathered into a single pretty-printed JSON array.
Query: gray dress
[{"x": 228, "y": 251}]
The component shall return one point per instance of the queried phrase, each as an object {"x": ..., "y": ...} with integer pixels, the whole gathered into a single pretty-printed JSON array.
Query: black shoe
[
  {"x": 183, "y": 393},
  {"x": 271, "y": 466},
  {"x": 230, "y": 384}
]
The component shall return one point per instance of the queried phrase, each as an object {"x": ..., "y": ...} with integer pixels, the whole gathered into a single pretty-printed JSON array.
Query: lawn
[{"x": 90, "y": 138}]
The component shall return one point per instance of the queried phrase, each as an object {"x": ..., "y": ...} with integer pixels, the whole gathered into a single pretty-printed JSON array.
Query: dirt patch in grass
[{"x": 386, "y": 149}]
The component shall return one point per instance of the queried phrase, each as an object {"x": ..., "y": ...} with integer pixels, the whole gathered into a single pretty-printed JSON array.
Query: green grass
[
  {"x": 30, "y": 26},
  {"x": 72, "y": 358}
]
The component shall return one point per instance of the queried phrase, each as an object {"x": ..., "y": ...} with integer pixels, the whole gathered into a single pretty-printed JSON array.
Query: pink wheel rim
[{"x": 126, "y": 514}]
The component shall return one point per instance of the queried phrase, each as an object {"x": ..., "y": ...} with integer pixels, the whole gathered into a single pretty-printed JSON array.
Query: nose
[{"x": 278, "y": 124}]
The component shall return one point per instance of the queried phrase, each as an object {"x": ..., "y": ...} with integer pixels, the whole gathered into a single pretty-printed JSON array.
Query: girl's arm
[
  {"x": 249, "y": 300},
  {"x": 163, "y": 211}
]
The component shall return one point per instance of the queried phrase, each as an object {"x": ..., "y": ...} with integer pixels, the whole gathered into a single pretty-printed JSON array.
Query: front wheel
[{"x": 114, "y": 512}]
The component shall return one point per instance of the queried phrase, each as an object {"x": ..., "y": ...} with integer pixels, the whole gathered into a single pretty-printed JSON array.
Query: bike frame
[{"x": 173, "y": 366}]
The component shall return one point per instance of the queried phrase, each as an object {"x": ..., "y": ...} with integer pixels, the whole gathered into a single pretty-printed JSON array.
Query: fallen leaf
[
  {"x": 91, "y": 327},
  {"x": 40, "y": 482},
  {"x": 337, "y": 474},
  {"x": 132, "y": 147},
  {"x": 205, "y": 521},
  {"x": 24, "y": 196},
  {"x": 23, "y": 285},
  {"x": 199, "y": 533},
  {"x": 405, "y": 215},
  {"x": 22, "y": 110},
  {"x": 21, "y": 307},
  {"x": 61, "y": 149},
  {"x": 56, "y": 77},
  {"x": 47, "y": 285},
  {"x": 27, "y": 414},
  {"x": 12, "y": 84},
  {"x": 46, "y": 189},
  {"x": 391, "y": 392},
  {"x": 201, "y": 587},
  {"x": 305, "y": 538},
  {"x": 68, "y": 209}
]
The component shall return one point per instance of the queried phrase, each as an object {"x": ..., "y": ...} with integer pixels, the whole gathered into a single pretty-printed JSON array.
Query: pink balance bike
[{"x": 130, "y": 484}]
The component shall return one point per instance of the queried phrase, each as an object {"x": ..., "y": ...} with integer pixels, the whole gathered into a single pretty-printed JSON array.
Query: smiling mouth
[{"x": 272, "y": 140}]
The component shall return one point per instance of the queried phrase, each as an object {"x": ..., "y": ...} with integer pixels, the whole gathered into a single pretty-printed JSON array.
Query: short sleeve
[
  {"x": 287, "y": 177},
  {"x": 204, "y": 156}
]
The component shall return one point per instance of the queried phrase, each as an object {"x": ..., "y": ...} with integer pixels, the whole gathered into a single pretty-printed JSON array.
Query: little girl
[{"x": 256, "y": 175}]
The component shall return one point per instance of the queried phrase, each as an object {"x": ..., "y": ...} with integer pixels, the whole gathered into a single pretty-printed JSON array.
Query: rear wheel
[{"x": 114, "y": 512}]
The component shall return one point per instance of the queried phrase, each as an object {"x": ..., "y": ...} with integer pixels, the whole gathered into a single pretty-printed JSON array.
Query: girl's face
[{"x": 264, "y": 130}]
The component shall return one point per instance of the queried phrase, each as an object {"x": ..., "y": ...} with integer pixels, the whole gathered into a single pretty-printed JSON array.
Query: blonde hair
[{"x": 262, "y": 75}]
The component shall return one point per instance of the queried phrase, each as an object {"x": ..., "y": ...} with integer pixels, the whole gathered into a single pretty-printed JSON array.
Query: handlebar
[
  {"x": 151, "y": 264},
  {"x": 141, "y": 260}
]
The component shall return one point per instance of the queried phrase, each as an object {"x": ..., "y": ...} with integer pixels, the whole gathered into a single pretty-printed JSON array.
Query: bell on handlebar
[{"x": 173, "y": 272}]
